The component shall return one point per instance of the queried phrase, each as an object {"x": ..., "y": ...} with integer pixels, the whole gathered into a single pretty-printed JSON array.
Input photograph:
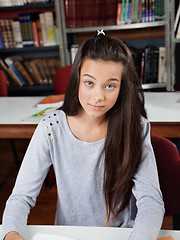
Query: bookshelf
[
  {"x": 174, "y": 71},
  {"x": 126, "y": 32},
  {"x": 42, "y": 51}
]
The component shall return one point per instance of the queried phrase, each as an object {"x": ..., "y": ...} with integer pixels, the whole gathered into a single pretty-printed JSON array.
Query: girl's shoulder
[
  {"x": 54, "y": 116},
  {"x": 53, "y": 119}
]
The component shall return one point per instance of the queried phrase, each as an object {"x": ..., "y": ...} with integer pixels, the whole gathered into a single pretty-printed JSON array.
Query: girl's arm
[
  {"x": 146, "y": 189},
  {"x": 29, "y": 181}
]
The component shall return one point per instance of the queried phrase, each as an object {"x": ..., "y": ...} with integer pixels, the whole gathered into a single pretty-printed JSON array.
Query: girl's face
[{"x": 99, "y": 86}]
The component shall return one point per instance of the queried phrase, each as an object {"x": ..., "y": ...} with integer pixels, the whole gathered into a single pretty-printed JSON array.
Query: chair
[
  {"x": 4, "y": 93},
  {"x": 3, "y": 84},
  {"x": 61, "y": 79},
  {"x": 168, "y": 165}
]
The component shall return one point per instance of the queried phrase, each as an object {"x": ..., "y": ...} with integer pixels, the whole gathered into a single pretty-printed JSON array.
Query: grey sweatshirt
[{"x": 79, "y": 168}]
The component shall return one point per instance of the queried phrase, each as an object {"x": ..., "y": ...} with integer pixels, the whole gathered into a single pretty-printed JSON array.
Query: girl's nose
[{"x": 98, "y": 95}]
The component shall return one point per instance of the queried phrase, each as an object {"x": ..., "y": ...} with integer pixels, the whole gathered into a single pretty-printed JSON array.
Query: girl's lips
[{"x": 96, "y": 106}]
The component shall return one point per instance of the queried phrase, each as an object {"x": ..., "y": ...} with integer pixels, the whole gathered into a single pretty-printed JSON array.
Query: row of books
[
  {"x": 134, "y": 11},
  {"x": 151, "y": 64},
  {"x": 177, "y": 23},
  {"x": 28, "y": 72},
  {"x": 29, "y": 30},
  {"x": 12, "y": 3},
  {"x": 111, "y": 12}
]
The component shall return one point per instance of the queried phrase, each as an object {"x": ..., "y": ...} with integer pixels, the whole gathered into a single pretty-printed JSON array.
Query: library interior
[{"x": 39, "y": 40}]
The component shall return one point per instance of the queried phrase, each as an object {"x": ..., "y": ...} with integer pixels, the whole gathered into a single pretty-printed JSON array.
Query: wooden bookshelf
[{"x": 30, "y": 52}]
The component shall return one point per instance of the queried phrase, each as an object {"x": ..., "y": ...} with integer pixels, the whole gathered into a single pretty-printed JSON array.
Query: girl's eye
[
  {"x": 110, "y": 86},
  {"x": 89, "y": 83}
]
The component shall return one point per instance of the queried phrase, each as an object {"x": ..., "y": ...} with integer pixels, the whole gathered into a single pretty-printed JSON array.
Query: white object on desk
[
  {"x": 163, "y": 106},
  {"x": 42, "y": 236}
]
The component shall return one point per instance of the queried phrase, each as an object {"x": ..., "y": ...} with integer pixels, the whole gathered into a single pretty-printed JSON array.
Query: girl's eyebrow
[
  {"x": 87, "y": 75},
  {"x": 111, "y": 79}
]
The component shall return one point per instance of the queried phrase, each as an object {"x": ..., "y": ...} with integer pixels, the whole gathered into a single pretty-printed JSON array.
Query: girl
[{"x": 99, "y": 145}]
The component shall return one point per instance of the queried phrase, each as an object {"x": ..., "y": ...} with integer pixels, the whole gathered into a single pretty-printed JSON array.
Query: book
[
  {"x": 166, "y": 238},
  {"x": 26, "y": 29},
  {"x": 26, "y": 76},
  {"x": 1, "y": 40},
  {"x": 34, "y": 65},
  {"x": 14, "y": 79},
  {"x": 162, "y": 74},
  {"x": 39, "y": 32},
  {"x": 50, "y": 28},
  {"x": 177, "y": 21},
  {"x": 39, "y": 115},
  {"x": 35, "y": 34},
  {"x": 10, "y": 61},
  {"x": 43, "y": 29},
  {"x": 17, "y": 34},
  {"x": 51, "y": 101},
  {"x": 73, "y": 51},
  {"x": 43, "y": 236}
]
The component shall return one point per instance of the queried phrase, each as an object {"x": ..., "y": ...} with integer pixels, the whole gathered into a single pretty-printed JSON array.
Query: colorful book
[
  {"x": 166, "y": 238},
  {"x": 10, "y": 62},
  {"x": 51, "y": 101},
  {"x": 39, "y": 115}
]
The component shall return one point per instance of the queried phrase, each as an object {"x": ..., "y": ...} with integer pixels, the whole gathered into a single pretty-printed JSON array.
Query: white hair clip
[{"x": 100, "y": 32}]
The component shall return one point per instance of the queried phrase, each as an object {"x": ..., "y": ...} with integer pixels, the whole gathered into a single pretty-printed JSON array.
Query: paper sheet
[{"x": 42, "y": 236}]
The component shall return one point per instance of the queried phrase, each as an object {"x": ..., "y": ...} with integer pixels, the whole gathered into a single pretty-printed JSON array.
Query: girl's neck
[{"x": 87, "y": 128}]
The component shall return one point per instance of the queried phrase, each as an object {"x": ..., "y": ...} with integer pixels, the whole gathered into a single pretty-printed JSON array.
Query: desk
[
  {"x": 163, "y": 111},
  {"x": 89, "y": 233},
  {"x": 13, "y": 110}
]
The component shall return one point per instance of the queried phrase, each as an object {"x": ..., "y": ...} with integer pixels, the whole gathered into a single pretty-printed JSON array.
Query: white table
[
  {"x": 12, "y": 111},
  {"x": 163, "y": 112},
  {"x": 89, "y": 233}
]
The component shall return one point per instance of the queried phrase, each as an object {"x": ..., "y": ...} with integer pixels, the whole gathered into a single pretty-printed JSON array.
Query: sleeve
[
  {"x": 146, "y": 189},
  {"x": 32, "y": 173}
]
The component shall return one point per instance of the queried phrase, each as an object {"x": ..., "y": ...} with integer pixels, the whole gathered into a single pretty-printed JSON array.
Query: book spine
[
  {"x": 39, "y": 31},
  {"x": 23, "y": 30},
  {"x": 29, "y": 30},
  {"x": 50, "y": 28},
  {"x": 162, "y": 76},
  {"x": 153, "y": 10},
  {"x": 35, "y": 34},
  {"x": 17, "y": 34},
  {"x": 1, "y": 41},
  {"x": 43, "y": 29},
  {"x": 142, "y": 67},
  {"x": 12, "y": 75},
  {"x": 119, "y": 12},
  {"x": 143, "y": 10},
  {"x": 147, "y": 10},
  {"x": 177, "y": 21},
  {"x": 39, "y": 79},
  {"x": 18, "y": 65}
]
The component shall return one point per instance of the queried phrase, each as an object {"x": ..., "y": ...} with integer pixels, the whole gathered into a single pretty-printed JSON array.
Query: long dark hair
[{"x": 123, "y": 145}]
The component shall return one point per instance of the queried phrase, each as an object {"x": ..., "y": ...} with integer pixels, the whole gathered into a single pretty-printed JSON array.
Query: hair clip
[{"x": 100, "y": 32}]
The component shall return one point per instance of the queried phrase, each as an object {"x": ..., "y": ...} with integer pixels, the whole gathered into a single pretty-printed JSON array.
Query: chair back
[
  {"x": 168, "y": 165},
  {"x": 3, "y": 84},
  {"x": 61, "y": 79}
]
